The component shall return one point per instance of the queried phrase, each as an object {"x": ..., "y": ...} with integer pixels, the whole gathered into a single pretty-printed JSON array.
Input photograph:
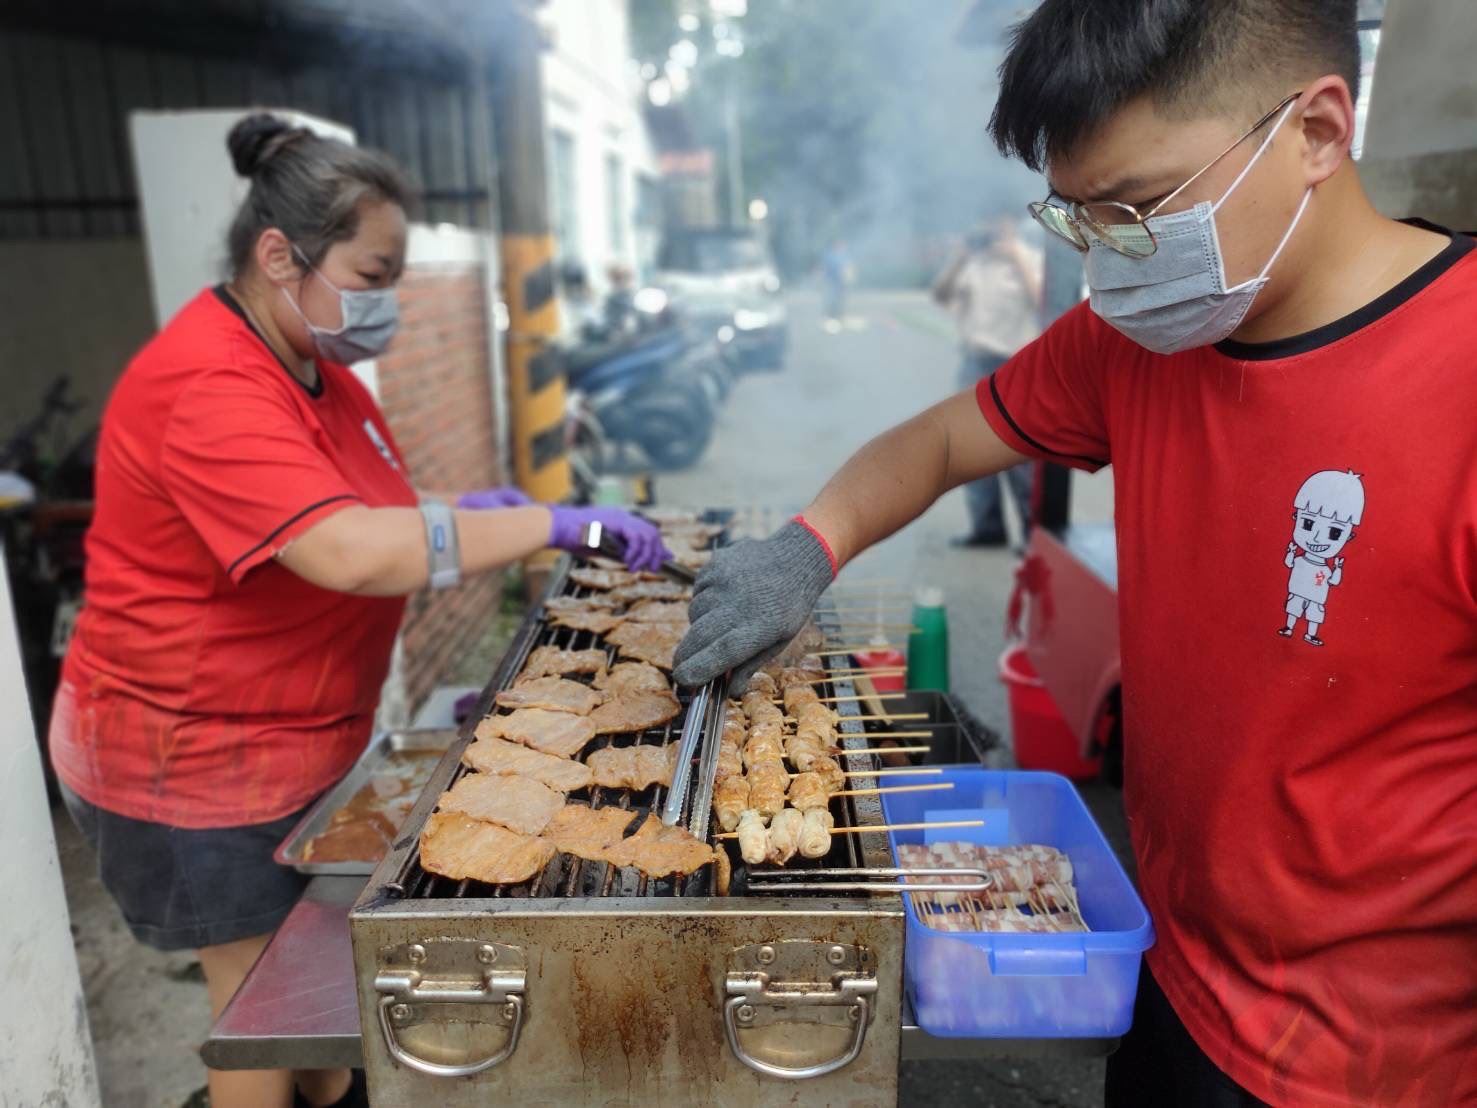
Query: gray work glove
[{"x": 753, "y": 598}]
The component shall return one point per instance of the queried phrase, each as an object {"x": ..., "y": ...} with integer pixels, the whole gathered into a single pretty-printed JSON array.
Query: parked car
[{"x": 725, "y": 277}]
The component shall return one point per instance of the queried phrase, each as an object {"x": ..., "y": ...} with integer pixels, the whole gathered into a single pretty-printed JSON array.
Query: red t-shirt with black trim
[
  {"x": 207, "y": 685},
  {"x": 1297, "y": 568}
]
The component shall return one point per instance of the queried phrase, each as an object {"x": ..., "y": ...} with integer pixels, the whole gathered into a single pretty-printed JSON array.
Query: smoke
[{"x": 867, "y": 122}]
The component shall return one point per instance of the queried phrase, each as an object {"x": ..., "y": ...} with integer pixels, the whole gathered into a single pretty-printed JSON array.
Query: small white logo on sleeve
[{"x": 380, "y": 444}]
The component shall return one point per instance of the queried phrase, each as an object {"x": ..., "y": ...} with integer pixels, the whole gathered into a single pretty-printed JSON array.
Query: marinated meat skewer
[
  {"x": 784, "y": 836},
  {"x": 753, "y": 837},
  {"x": 730, "y": 799},
  {"x": 815, "y": 835}
]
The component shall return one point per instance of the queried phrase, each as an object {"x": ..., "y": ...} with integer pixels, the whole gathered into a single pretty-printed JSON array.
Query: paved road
[{"x": 780, "y": 436}]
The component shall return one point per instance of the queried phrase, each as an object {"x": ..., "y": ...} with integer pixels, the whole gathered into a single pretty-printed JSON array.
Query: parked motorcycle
[
  {"x": 645, "y": 380},
  {"x": 43, "y": 523}
]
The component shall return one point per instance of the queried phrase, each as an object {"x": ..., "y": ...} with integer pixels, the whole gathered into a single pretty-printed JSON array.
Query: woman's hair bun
[{"x": 254, "y": 139}]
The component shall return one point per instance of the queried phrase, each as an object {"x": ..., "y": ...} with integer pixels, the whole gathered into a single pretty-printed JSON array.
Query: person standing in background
[
  {"x": 992, "y": 287},
  {"x": 836, "y": 274}
]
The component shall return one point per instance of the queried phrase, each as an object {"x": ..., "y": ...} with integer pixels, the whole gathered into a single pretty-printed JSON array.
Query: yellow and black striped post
[{"x": 535, "y": 371}]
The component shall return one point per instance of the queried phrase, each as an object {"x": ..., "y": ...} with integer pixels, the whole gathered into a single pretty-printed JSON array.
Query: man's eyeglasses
[{"x": 1122, "y": 227}]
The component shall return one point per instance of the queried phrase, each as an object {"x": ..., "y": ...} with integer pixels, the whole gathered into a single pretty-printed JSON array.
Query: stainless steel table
[{"x": 297, "y": 1008}]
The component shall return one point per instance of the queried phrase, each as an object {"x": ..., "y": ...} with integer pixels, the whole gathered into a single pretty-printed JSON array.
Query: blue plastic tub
[{"x": 989, "y": 985}]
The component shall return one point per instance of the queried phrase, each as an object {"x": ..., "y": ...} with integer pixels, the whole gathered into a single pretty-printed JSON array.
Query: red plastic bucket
[
  {"x": 1040, "y": 735},
  {"x": 883, "y": 658}
]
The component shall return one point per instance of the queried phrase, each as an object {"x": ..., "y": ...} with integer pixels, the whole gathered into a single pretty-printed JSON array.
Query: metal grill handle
[{"x": 441, "y": 1069}]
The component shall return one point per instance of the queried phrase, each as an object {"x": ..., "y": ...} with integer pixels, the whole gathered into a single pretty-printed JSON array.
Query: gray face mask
[
  {"x": 1176, "y": 298},
  {"x": 370, "y": 319}
]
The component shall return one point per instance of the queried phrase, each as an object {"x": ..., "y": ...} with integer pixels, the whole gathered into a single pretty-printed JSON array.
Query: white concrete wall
[
  {"x": 1420, "y": 145},
  {"x": 1424, "y": 97},
  {"x": 45, "y": 1049},
  {"x": 591, "y": 94},
  {"x": 188, "y": 194}
]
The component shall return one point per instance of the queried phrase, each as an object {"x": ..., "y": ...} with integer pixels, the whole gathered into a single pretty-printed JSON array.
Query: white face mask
[
  {"x": 370, "y": 318},
  {"x": 1176, "y": 298}
]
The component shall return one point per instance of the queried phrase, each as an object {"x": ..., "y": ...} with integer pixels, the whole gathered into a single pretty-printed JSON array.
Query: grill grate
[{"x": 566, "y": 876}]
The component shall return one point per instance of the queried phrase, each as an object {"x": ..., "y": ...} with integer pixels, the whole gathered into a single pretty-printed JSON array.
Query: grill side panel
[{"x": 626, "y": 1006}]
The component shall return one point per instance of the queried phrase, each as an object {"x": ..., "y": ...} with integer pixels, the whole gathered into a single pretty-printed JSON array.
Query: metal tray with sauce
[{"x": 368, "y": 804}]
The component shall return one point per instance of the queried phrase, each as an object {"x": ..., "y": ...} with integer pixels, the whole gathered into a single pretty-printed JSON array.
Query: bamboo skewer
[
  {"x": 863, "y": 624},
  {"x": 852, "y": 697},
  {"x": 901, "y": 717},
  {"x": 893, "y": 789},
  {"x": 885, "y": 749},
  {"x": 884, "y": 827},
  {"x": 834, "y": 649},
  {"x": 880, "y": 737},
  {"x": 888, "y": 772},
  {"x": 894, "y": 671}
]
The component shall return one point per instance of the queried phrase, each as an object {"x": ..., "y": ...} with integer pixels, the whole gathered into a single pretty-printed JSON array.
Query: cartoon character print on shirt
[{"x": 1325, "y": 512}]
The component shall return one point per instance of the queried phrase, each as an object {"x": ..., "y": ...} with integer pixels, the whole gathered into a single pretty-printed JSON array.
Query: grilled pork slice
[
  {"x": 602, "y": 579},
  {"x": 632, "y": 712},
  {"x": 589, "y": 620},
  {"x": 651, "y": 590},
  {"x": 518, "y": 803},
  {"x": 648, "y": 642},
  {"x": 658, "y": 611},
  {"x": 631, "y": 677},
  {"x": 551, "y": 660},
  {"x": 590, "y": 833},
  {"x": 594, "y": 602},
  {"x": 556, "y": 694},
  {"x": 691, "y": 533},
  {"x": 455, "y": 845},
  {"x": 659, "y": 851},
  {"x": 557, "y": 733},
  {"x": 633, "y": 767},
  {"x": 498, "y": 756}
]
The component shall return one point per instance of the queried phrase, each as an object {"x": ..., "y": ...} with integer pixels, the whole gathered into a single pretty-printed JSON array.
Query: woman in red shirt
[{"x": 256, "y": 533}]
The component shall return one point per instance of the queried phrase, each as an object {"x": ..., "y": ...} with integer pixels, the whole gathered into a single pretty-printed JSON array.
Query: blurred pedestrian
[
  {"x": 836, "y": 274},
  {"x": 992, "y": 287}
]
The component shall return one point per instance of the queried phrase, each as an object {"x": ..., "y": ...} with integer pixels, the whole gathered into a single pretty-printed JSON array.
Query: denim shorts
[{"x": 181, "y": 889}]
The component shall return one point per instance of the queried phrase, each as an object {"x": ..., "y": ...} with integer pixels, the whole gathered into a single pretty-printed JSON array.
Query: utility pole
[{"x": 535, "y": 372}]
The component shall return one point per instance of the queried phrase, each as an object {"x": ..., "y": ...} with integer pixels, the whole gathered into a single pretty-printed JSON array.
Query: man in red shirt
[{"x": 1261, "y": 347}]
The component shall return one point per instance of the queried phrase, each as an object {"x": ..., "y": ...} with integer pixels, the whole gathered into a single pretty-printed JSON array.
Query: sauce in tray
[{"x": 363, "y": 829}]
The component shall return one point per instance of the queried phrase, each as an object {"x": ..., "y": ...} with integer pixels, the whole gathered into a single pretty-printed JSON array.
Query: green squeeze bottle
[{"x": 928, "y": 644}]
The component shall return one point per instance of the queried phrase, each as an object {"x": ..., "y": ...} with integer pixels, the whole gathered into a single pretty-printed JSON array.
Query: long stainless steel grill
[
  {"x": 566, "y": 876},
  {"x": 594, "y": 985}
]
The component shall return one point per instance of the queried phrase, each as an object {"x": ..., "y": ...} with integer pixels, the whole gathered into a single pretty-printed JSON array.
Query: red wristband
[{"x": 820, "y": 538}]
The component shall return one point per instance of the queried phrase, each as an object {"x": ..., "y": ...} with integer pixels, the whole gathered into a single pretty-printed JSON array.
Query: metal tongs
[{"x": 600, "y": 542}]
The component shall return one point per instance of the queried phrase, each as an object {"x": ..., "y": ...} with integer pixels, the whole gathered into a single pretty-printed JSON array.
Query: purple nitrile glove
[
  {"x": 505, "y": 497},
  {"x": 644, "y": 549}
]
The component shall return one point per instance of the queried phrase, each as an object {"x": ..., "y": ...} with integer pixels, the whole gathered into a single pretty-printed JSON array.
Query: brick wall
[{"x": 435, "y": 386}]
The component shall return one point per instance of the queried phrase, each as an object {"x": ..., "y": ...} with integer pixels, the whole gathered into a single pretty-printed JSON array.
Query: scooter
[
  {"x": 654, "y": 385},
  {"x": 46, "y": 507}
]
